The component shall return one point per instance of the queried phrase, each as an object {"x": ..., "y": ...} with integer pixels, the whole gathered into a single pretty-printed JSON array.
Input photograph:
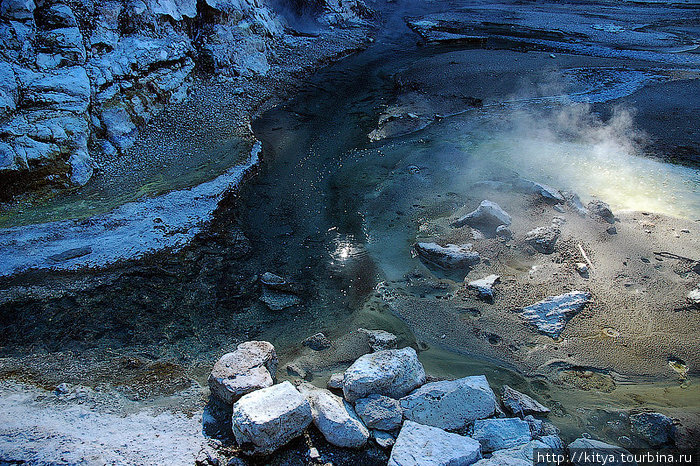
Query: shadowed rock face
[{"x": 77, "y": 79}]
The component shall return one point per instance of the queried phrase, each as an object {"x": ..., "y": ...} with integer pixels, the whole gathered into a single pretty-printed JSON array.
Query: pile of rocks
[{"x": 384, "y": 396}]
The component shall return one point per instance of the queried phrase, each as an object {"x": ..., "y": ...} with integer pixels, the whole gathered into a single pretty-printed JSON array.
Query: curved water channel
[{"x": 338, "y": 214}]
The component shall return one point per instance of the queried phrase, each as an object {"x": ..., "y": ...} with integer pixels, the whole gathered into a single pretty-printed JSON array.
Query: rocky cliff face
[{"x": 78, "y": 78}]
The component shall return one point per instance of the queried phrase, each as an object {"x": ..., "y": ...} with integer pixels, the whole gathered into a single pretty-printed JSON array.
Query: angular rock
[
  {"x": 266, "y": 419},
  {"x": 503, "y": 460},
  {"x": 335, "y": 418},
  {"x": 275, "y": 282},
  {"x": 380, "y": 339},
  {"x": 551, "y": 315},
  {"x": 487, "y": 217},
  {"x": 548, "y": 193},
  {"x": 602, "y": 210},
  {"x": 484, "y": 287},
  {"x": 420, "y": 445},
  {"x": 336, "y": 381},
  {"x": 20, "y": 10},
  {"x": 581, "y": 449},
  {"x": 655, "y": 428},
  {"x": 393, "y": 373},
  {"x": 450, "y": 404},
  {"x": 449, "y": 257},
  {"x": 526, "y": 451},
  {"x": 543, "y": 239},
  {"x": 384, "y": 439},
  {"x": 574, "y": 202},
  {"x": 251, "y": 367},
  {"x": 540, "y": 428},
  {"x": 497, "y": 434},
  {"x": 317, "y": 342},
  {"x": 379, "y": 412},
  {"x": 520, "y": 404},
  {"x": 277, "y": 300}
]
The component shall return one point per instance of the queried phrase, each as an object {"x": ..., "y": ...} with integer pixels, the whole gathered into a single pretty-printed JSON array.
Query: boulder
[
  {"x": 380, "y": 339},
  {"x": 551, "y": 315},
  {"x": 278, "y": 300},
  {"x": 19, "y": 10},
  {"x": 484, "y": 287},
  {"x": 450, "y": 404},
  {"x": 379, "y": 412},
  {"x": 317, "y": 342},
  {"x": 583, "y": 450},
  {"x": 251, "y": 367},
  {"x": 420, "y": 445},
  {"x": 451, "y": 256},
  {"x": 602, "y": 210},
  {"x": 655, "y": 428},
  {"x": 520, "y": 404},
  {"x": 267, "y": 419},
  {"x": 335, "y": 418},
  {"x": 547, "y": 193},
  {"x": 526, "y": 451},
  {"x": 497, "y": 434},
  {"x": 543, "y": 239},
  {"x": 487, "y": 217},
  {"x": 393, "y": 373},
  {"x": 503, "y": 460}
]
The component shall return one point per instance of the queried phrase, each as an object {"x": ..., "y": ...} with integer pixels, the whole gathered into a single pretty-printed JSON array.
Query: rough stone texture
[
  {"x": 551, "y": 315},
  {"x": 451, "y": 256},
  {"x": 497, "y": 434},
  {"x": 503, "y": 232},
  {"x": 420, "y": 445},
  {"x": 614, "y": 453},
  {"x": 543, "y": 239},
  {"x": 694, "y": 296},
  {"x": 77, "y": 79},
  {"x": 317, "y": 342},
  {"x": 252, "y": 366},
  {"x": 520, "y": 404},
  {"x": 383, "y": 439},
  {"x": 266, "y": 419},
  {"x": 450, "y": 404},
  {"x": 393, "y": 373},
  {"x": 502, "y": 461},
  {"x": 525, "y": 452},
  {"x": 278, "y": 300},
  {"x": 487, "y": 217},
  {"x": 336, "y": 381},
  {"x": 380, "y": 339},
  {"x": 602, "y": 210},
  {"x": 335, "y": 418},
  {"x": 380, "y": 412},
  {"x": 484, "y": 287},
  {"x": 655, "y": 428}
]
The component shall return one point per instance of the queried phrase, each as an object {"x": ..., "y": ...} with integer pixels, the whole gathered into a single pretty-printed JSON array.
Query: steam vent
[{"x": 349, "y": 232}]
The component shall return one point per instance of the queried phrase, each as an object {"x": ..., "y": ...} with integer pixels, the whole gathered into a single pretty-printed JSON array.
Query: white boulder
[
  {"x": 487, "y": 217},
  {"x": 497, "y": 434},
  {"x": 451, "y": 256},
  {"x": 266, "y": 419},
  {"x": 335, "y": 418},
  {"x": 393, "y": 373},
  {"x": 420, "y": 445},
  {"x": 450, "y": 404},
  {"x": 379, "y": 412},
  {"x": 251, "y": 367}
]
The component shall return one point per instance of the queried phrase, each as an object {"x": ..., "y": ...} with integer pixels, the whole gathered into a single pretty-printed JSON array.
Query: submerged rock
[
  {"x": 497, "y": 434},
  {"x": 380, "y": 339},
  {"x": 380, "y": 412},
  {"x": 335, "y": 418},
  {"x": 277, "y": 300},
  {"x": 267, "y": 419},
  {"x": 551, "y": 315},
  {"x": 420, "y": 445},
  {"x": 543, "y": 239},
  {"x": 393, "y": 373},
  {"x": 521, "y": 404},
  {"x": 582, "y": 450},
  {"x": 487, "y": 217},
  {"x": 251, "y": 367},
  {"x": 655, "y": 428},
  {"x": 317, "y": 342},
  {"x": 449, "y": 257},
  {"x": 450, "y": 404},
  {"x": 484, "y": 286}
]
